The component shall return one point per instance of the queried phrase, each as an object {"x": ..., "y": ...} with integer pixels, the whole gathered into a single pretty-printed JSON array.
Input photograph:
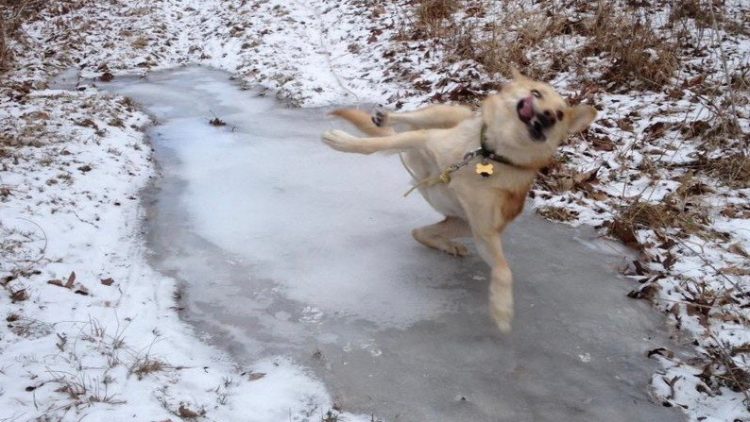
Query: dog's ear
[
  {"x": 516, "y": 74},
  {"x": 581, "y": 117}
]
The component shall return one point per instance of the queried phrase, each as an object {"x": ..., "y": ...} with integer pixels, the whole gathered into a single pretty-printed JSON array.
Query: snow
[{"x": 75, "y": 352}]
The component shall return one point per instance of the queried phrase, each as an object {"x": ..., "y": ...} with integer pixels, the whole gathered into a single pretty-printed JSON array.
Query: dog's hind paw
[
  {"x": 380, "y": 118},
  {"x": 457, "y": 249}
]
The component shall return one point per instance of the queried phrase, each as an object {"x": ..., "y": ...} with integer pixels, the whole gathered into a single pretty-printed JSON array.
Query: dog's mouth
[{"x": 535, "y": 122}]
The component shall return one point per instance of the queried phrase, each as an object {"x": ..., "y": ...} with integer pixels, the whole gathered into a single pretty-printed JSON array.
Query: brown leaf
[
  {"x": 587, "y": 176},
  {"x": 625, "y": 124},
  {"x": 82, "y": 291},
  {"x": 217, "y": 122},
  {"x": 625, "y": 232},
  {"x": 648, "y": 292},
  {"x": 695, "y": 81},
  {"x": 734, "y": 270},
  {"x": 71, "y": 280},
  {"x": 661, "y": 351},
  {"x": 669, "y": 261},
  {"x": 19, "y": 295},
  {"x": 699, "y": 311},
  {"x": 56, "y": 283},
  {"x": 107, "y": 281},
  {"x": 186, "y": 412},
  {"x": 253, "y": 376},
  {"x": 603, "y": 143},
  {"x": 639, "y": 269},
  {"x": 599, "y": 196},
  {"x": 675, "y": 93},
  {"x": 736, "y": 248}
]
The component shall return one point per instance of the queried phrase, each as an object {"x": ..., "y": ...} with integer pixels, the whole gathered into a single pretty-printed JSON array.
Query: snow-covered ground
[{"x": 89, "y": 323}]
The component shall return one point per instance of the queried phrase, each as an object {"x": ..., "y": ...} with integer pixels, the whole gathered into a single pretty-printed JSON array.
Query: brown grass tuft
[
  {"x": 140, "y": 43},
  {"x": 145, "y": 366},
  {"x": 670, "y": 213},
  {"x": 638, "y": 55},
  {"x": 431, "y": 11},
  {"x": 698, "y": 10},
  {"x": 733, "y": 170},
  {"x": 13, "y": 13},
  {"x": 557, "y": 213}
]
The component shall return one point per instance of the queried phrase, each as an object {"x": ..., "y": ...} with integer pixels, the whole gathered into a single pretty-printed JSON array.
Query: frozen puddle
[{"x": 285, "y": 247}]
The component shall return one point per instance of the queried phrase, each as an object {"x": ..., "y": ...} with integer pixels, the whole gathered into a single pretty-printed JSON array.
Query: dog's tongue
[{"x": 527, "y": 108}]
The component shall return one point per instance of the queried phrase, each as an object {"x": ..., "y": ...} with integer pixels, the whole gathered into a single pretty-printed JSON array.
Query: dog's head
[{"x": 530, "y": 115}]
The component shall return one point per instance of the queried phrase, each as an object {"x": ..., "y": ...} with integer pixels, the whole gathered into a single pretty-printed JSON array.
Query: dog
[{"x": 475, "y": 168}]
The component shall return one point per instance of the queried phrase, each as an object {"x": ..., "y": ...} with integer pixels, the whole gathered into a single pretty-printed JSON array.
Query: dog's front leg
[
  {"x": 342, "y": 141},
  {"x": 486, "y": 225},
  {"x": 436, "y": 116}
]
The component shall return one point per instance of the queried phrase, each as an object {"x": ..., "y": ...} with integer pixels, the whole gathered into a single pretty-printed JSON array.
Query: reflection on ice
[{"x": 287, "y": 247}]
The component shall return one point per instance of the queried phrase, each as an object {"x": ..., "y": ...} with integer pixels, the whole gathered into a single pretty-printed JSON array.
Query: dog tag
[{"x": 485, "y": 169}]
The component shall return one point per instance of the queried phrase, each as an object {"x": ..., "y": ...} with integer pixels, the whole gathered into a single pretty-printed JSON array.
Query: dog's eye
[{"x": 536, "y": 93}]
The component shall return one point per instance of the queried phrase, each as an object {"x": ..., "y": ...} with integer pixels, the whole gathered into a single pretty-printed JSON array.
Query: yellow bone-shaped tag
[{"x": 485, "y": 170}]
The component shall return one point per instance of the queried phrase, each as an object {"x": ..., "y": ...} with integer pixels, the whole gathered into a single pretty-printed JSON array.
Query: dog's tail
[{"x": 363, "y": 121}]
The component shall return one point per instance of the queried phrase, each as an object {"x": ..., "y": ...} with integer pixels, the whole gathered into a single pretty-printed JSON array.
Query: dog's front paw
[
  {"x": 380, "y": 118},
  {"x": 342, "y": 141},
  {"x": 501, "y": 297},
  {"x": 503, "y": 316}
]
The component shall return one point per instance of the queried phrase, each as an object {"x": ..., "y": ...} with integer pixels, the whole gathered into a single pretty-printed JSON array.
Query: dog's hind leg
[
  {"x": 342, "y": 141},
  {"x": 438, "y": 236},
  {"x": 440, "y": 116}
]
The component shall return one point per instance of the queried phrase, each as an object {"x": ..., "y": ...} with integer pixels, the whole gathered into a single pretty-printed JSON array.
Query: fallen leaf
[
  {"x": 185, "y": 412},
  {"x": 19, "y": 295},
  {"x": 253, "y": 376},
  {"x": 734, "y": 270},
  {"x": 736, "y": 248},
  {"x": 661, "y": 351},
  {"x": 217, "y": 122},
  {"x": 71, "y": 280},
  {"x": 107, "y": 281},
  {"x": 648, "y": 292}
]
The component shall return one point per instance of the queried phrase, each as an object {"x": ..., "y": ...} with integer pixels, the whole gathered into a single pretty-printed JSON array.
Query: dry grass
[
  {"x": 706, "y": 14},
  {"x": 140, "y": 43},
  {"x": 557, "y": 213},
  {"x": 12, "y": 15},
  {"x": 672, "y": 214},
  {"x": 733, "y": 170},
  {"x": 698, "y": 10},
  {"x": 147, "y": 365},
  {"x": 521, "y": 37},
  {"x": 432, "y": 13},
  {"x": 638, "y": 55}
]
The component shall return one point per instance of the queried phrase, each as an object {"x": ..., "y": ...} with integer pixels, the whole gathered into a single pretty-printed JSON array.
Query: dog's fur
[{"x": 525, "y": 122}]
